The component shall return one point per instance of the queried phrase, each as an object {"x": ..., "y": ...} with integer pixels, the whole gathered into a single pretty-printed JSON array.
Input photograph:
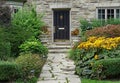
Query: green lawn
[{"x": 97, "y": 81}]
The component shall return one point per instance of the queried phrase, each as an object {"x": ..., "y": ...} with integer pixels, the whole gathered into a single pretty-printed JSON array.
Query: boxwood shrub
[
  {"x": 106, "y": 68},
  {"x": 9, "y": 71},
  {"x": 31, "y": 64}
]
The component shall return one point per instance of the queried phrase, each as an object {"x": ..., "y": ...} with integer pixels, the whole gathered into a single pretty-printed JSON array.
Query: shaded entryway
[{"x": 61, "y": 24}]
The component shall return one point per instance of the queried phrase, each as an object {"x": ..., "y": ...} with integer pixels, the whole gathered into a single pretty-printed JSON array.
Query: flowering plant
[{"x": 95, "y": 49}]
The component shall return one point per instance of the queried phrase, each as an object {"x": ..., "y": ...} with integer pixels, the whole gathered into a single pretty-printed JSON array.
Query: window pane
[
  {"x": 101, "y": 13},
  {"x": 15, "y": 10},
  {"x": 110, "y": 13},
  {"x": 117, "y": 13}
]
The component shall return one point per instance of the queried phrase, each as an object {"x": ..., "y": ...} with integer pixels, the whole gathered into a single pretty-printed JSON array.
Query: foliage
[
  {"x": 16, "y": 37},
  {"x": 98, "y": 81},
  {"x": 33, "y": 45},
  {"x": 113, "y": 21},
  {"x": 28, "y": 19},
  {"x": 5, "y": 46},
  {"x": 106, "y": 68},
  {"x": 73, "y": 54},
  {"x": 9, "y": 71},
  {"x": 85, "y": 25},
  {"x": 94, "y": 49},
  {"x": 5, "y": 50},
  {"x": 100, "y": 42},
  {"x": 25, "y": 24},
  {"x": 107, "y": 31},
  {"x": 31, "y": 80},
  {"x": 95, "y": 23},
  {"x": 31, "y": 64}
]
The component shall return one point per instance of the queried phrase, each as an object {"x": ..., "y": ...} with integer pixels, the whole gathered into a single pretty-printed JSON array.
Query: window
[
  {"x": 15, "y": 10},
  {"x": 101, "y": 14},
  {"x": 117, "y": 13},
  {"x": 110, "y": 13},
  {"x": 107, "y": 13}
]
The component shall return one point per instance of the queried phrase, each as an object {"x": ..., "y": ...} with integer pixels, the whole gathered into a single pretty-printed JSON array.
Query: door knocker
[{"x": 61, "y": 17}]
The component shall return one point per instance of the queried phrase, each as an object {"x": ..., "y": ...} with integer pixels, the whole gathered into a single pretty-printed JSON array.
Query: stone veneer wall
[{"x": 79, "y": 8}]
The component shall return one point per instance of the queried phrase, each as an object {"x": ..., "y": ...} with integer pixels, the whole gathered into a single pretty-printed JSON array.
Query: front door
[{"x": 61, "y": 24}]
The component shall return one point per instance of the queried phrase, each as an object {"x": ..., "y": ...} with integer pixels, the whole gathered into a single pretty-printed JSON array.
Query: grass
[{"x": 98, "y": 81}]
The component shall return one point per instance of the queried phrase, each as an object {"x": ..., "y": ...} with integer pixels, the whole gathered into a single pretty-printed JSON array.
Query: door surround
[{"x": 69, "y": 22}]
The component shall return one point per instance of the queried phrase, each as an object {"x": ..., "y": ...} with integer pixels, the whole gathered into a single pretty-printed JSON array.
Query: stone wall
[{"x": 79, "y": 9}]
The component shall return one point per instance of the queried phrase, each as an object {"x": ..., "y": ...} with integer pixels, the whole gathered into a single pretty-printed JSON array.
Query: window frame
[{"x": 106, "y": 13}]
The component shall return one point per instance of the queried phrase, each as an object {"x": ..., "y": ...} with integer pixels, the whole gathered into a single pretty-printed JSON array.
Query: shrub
[
  {"x": 94, "y": 49},
  {"x": 107, "y": 31},
  {"x": 100, "y": 43},
  {"x": 24, "y": 24},
  {"x": 31, "y": 64},
  {"x": 28, "y": 19},
  {"x": 9, "y": 71},
  {"x": 16, "y": 37},
  {"x": 113, "y": 21},
  {"x": 5, "y": 46},
  {"x": 97, "y": 23},
  {"x": 31, "y": 80},
  {"x": 85, "y": 25},
  {"x": 5, "y": 50},
  {"x": 33, "y": 45},
  {"x": 106, "y": 68},
  {"x": 74, "y": 54}
]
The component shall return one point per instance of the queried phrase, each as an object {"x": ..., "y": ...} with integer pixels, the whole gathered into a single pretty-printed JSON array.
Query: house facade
[{"x": 63, "y": 16}]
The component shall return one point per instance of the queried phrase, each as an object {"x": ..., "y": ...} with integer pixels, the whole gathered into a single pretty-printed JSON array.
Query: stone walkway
[{"x": 58, "y": 69}]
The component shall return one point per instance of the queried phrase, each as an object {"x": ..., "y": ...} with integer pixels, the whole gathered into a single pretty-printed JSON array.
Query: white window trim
[{"x": 115, "y": 8}]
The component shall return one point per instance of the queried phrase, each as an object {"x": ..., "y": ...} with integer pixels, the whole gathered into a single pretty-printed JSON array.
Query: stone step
[
  {"x": 59, "y": 47},
  {"x": 44, "y": 41},
  {"x": 42, "y": 36},
  {"x": 62, "y": 43},
  {"x": 58, "y": 50}
]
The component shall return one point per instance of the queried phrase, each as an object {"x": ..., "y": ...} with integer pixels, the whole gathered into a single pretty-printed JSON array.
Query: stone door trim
[{"x": 61, "y": 24}]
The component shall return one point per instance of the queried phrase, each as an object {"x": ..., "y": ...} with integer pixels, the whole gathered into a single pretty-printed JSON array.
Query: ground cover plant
[{"x": 98, "y": 81}]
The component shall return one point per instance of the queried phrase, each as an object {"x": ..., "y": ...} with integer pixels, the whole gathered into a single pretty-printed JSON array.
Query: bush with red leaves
[{"x": 107, "y": 31}]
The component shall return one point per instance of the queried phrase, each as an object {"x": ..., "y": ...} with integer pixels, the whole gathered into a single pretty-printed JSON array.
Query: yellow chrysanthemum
[
  {"x": 96, "y": 57},
  {"x": 100, "y": 42}
]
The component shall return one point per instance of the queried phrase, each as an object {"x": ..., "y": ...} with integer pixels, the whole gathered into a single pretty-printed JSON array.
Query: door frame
[{"x": 53, "y": 22}]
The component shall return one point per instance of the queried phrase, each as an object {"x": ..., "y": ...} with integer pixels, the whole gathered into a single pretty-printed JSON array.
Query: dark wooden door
[{"x": 61, "y": 24}]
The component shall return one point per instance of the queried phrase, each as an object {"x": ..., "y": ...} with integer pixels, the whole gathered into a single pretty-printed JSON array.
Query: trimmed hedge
[
  {"x": 106, "y": 68},
  {"x": 9, "y": 71},
  {"x": 31, "y": 64}
]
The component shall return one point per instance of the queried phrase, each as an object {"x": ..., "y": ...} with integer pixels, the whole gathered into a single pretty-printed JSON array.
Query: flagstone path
[{"x": 58, "y": 69}]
